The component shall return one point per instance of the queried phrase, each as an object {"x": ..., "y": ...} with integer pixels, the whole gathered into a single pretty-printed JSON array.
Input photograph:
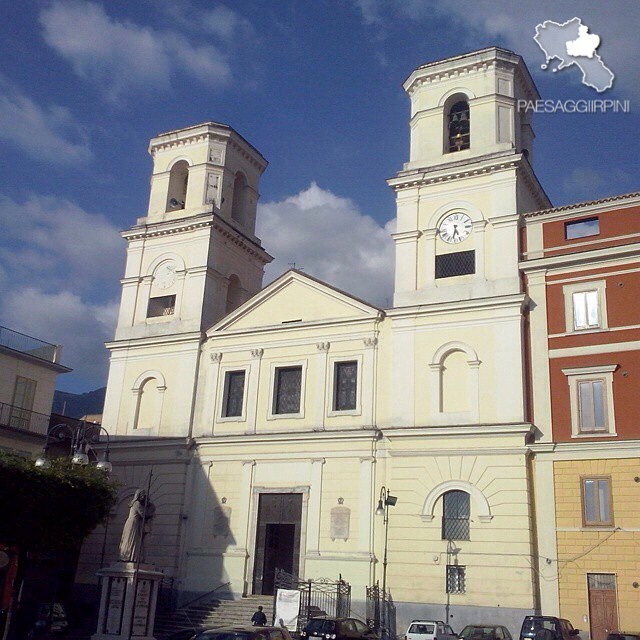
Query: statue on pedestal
[{"x": 136, "y": 527}]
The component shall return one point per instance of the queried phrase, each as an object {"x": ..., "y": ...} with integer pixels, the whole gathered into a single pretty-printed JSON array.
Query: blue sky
[{"x": 314, "y": 85}]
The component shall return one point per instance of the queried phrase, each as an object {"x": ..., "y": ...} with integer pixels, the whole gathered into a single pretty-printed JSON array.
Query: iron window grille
[
  {"x": 161, "y": 306},
  {"x": 460, "y": 263},
  {"x": 455, "y": 515},
  {"x": 288, "y": 386},
  {"x": 345, "y": 383},
  {"x": 233, "y": 394},
  {"x": 455, "y": 578}
]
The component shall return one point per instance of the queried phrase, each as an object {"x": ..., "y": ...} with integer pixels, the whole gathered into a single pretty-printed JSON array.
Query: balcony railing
[
  {"x": 27, "y": 344},
  {"x": 23, "y": 419}
]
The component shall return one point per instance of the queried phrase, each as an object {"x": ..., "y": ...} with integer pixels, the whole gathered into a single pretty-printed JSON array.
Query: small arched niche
[
  {"x": 457, "y": 123},
  {"x": 148, "y": 396},
  {"x": 178, "y": 180},
  {"x": 240, "y": 203},
  {"x": 235, "y": 294}
]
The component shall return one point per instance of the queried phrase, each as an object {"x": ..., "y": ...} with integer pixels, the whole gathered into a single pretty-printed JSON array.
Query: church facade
[{"x": 273, "y": 417}]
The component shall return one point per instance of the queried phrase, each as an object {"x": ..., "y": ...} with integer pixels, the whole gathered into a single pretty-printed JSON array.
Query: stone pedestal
[{"x": 121, "y": 615}]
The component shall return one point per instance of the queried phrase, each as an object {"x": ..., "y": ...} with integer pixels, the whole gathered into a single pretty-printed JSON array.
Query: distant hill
[{"x": 76, "y": 405}]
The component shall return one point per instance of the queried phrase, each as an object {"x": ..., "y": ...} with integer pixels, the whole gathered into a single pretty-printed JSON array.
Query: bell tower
[
  {"x": 468, "y": 179},
  {"x": 191, "y": 260}
]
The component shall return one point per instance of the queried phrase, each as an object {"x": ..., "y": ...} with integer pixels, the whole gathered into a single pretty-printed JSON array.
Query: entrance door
[
  {"x": 603, "y": 610},
  {"x": 277, "y": 538}
]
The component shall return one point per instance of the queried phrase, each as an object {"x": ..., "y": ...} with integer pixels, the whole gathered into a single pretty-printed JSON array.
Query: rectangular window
[
  {"x": 455, "y": 578},
  {"x": 585, "y": 310},
  {"x": 161, "y": 306},
  {"x": 581, "y": 228},
  {"x": 460, "y": 263},
  {"x": 596, "y": 502},
  {"x": 345, "y": 380},
  {"x": 591, "y": 406},
  {"x": 233, "y": 394},
  {"x": 288, "y": 385},
  {"x": 24, "y": 393}
]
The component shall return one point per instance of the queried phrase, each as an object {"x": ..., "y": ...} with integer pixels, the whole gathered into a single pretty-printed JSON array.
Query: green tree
[{"x": 51, "y": 509}]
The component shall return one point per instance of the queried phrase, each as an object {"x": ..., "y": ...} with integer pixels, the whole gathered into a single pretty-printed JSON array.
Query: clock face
[
  {"x": 455, "y": 227},
  {"x": 165, "y": 276}
]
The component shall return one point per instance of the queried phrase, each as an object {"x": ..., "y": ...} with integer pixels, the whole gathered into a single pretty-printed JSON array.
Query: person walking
[{"x": 258, "y": 619}]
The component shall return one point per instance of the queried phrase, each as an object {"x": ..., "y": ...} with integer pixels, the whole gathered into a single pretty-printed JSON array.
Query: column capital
[
  {"x": 367, "y": 459},
  {"x": 318, "y": 460},
  {"x": 248, "y": 462},
  {"x": 323, "y": 346},
  {"x": 215, "y": 357},
  {"x": 370, "y": 343},
  {"x": 257, "y": 353}
]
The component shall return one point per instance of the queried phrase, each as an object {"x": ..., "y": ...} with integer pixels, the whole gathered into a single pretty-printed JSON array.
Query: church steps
[{"x": 217, "y": 613}]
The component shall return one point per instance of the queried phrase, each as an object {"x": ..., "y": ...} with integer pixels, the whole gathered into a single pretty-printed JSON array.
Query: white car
[{"x": 429, "y": 630}]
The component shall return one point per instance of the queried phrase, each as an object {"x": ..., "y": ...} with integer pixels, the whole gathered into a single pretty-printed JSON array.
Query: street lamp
[
  {"x": 386, "y": 500},
  {"x": 80, "y": 438}
]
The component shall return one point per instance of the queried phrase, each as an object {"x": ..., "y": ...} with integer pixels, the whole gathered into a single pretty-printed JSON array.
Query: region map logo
[
  {"x": 569, "y": 44},
  {"x": 572, "y": 44}
]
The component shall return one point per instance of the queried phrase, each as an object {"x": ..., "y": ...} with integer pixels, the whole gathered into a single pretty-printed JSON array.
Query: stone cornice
[
  {"x": 519, "y": 300},
  {"x": 599, "y": 256},
  {"x": 191, "y": 223},
  {"x": 621, "y": 201},
  {"x": 208, "y": 131},
  {"x": 459, "y": 431},
  {"x": 473, "y": 62},
  {"x": 289, "y": 437},
  {"x": 146, "y": 341}
]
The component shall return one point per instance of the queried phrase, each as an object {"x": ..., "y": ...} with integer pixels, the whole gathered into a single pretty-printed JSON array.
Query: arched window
[
  {"x": 458, "y": 123},
  {"x": 178, "y": 179},
  {"x": 239, "y": 205},
  {"x": 456, "y": 512},
  {"x": 235, "y": 294}
]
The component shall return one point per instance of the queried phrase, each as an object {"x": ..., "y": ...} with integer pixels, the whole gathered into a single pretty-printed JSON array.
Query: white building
[{"x": 272, "y": 417}]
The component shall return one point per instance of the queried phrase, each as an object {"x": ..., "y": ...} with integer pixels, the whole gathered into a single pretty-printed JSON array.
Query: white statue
[{"x": 138, "y": 524}]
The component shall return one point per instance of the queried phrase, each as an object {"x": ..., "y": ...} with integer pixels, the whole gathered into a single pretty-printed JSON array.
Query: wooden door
[{"x": 603, "y": 608}]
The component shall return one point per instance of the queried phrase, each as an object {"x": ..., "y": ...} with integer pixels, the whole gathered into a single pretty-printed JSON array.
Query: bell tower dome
[{"x": 468, "y": 179}]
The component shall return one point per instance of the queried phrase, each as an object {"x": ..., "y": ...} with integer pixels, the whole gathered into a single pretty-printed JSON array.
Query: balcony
[
  {"x": 23, "y": 419},
  {"x": 28, "y": 345}
]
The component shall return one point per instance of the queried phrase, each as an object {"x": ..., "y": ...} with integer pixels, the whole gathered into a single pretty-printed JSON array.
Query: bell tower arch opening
[
  {"x": 178, "y": 181},
  {"x": 457, "y": 123}
]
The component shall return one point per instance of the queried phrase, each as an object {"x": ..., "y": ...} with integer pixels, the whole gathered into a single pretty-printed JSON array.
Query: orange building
[{"x": 581, "y": 265}]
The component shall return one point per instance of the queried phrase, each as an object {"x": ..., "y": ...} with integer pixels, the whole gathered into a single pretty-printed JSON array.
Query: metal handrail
[
  {"x": 24, "y": 419},
  {"x": 201, "y": 596},
  {"x": 27, "y": 344}
]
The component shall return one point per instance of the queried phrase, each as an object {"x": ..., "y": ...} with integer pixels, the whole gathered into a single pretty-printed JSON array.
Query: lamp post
[
  {"x": 386, "y": 500},
  {"x": 81, "y": 437}
]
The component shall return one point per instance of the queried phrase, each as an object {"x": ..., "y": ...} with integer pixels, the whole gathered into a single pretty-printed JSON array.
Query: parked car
[
  {"x": 485, "y": 632},
  {"x": 429, "y": 630},
  {"x": 547, "y": 628},
  {"x": 623, "y": 635},
  {"x": 184, "y": 634},
  {"x": 337, "y": 629},
  {"x": 244, "y": 633}
]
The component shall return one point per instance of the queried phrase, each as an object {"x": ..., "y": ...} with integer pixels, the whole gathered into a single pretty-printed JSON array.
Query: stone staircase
[{"x": 215, "y": 613}]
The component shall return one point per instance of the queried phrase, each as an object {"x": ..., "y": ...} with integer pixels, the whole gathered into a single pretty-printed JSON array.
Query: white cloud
[
  {"x": 46, "y": 133},
  {"x": 59, "y": 271},
  {"x": 55, "y": 242},
  {"x": 331, "y": 240},
  {"x": 121, "y": 56},
  {"x": 582, "y": 182},
  {"x": 488, "y": 22},
  {"x": 64, "y": 318}
]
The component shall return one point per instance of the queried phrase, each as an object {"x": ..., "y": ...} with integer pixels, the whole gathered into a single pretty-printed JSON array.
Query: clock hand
[{"x": 455, "y": 231}]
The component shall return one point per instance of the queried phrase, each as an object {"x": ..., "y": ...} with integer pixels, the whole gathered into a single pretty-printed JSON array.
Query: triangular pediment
[{"x": 295, "y": 298}]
